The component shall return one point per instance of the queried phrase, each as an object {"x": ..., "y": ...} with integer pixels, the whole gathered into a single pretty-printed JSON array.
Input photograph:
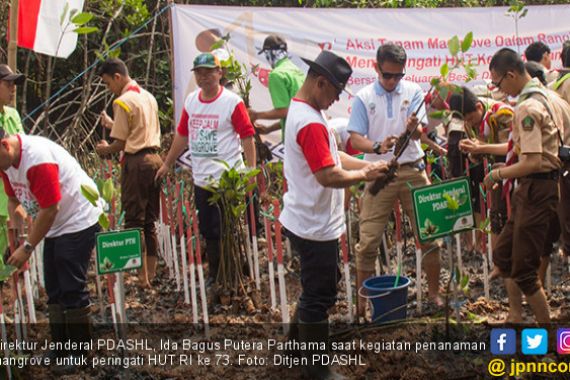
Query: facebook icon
[{"x": 503, "y": 341}]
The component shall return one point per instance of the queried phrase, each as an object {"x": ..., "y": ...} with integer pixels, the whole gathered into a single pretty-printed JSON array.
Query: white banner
[{"x": 356, "y": 34}]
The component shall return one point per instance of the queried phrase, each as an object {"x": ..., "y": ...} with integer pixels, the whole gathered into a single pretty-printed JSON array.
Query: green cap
[{"x": 206, "y": 60}]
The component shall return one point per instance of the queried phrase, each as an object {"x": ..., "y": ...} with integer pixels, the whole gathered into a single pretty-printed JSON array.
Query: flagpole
[{"x": 13, "y": 43}]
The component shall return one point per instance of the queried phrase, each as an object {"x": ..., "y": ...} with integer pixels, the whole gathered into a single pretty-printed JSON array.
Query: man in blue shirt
[{"x": 382, "y": 111}]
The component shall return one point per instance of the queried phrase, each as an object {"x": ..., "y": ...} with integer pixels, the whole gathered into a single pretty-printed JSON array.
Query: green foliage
[
  {"x": 453, "y": 45},
  {"x": 6, "y": 270},
  {"x": 81, "y": 18},
  {"x": 466, "y": 43},
  {"x": 91, "y": 194},
  {"x": 86, "y": 30},
  {"x": 517, "y": 9},
  {"x": 230, "y": 193},
  {"x": 485, "y": 226},
  {"x": 108, "y": 190},
  {"x": 104, "y": 221},
  {"x": 77, "y": 20}
]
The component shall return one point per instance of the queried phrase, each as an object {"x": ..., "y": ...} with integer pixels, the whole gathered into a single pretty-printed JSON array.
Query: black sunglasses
[
  {"x": 498, "y": 84},
  {"x": 389, "y": 76}
]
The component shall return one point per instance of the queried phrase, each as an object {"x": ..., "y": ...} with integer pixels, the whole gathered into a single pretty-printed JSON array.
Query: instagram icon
[{"x": 563, "y": 342}]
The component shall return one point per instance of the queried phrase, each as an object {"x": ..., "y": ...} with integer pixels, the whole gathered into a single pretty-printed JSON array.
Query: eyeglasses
[
  {"x": 389, "y": 76},
  {"x": 498, "y": 84}
]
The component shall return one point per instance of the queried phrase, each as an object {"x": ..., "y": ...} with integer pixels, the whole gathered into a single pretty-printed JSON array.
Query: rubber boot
[
  {"x": 213, "y": 253},
  {"x": 317, "y": 332},
  {"x": 294, "y": 333},
  {"x": 361, "y": 276},
  {"x": 57, "y": 329},
  {"x": 143, "y": 272},
  {"x": 79, "y": 330}
]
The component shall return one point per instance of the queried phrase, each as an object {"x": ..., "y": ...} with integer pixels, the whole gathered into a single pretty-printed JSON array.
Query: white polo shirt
[
  {"x": 377, "y": 114},
  {"x": 311, "y": 211}
]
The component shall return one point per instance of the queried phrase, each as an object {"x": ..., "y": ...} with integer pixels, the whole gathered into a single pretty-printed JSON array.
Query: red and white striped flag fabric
[{"x": 44, "y": 26}]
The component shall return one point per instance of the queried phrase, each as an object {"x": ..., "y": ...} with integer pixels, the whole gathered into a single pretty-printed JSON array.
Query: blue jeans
[{"x": 320, "y": 275}]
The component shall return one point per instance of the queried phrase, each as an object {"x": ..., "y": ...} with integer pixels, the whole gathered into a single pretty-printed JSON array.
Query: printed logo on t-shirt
[
  {"x": 26, "y": 199},
  {"x": 203, "y": 135}
]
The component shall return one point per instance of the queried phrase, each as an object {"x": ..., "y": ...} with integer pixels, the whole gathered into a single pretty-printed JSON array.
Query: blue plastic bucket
[{"x": 389, "y": 302}]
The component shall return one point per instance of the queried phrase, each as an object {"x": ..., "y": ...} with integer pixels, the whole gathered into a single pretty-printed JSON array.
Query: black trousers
[
  {"x": 320, "y": 275},
  {"x": 209, "y": 216},
  {"x": 66, "y": 260}
]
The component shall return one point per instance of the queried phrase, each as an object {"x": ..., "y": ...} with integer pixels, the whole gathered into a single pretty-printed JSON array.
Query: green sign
[
  {"x": 443, "y": 209},
  {"x": 118, "y": 251}
]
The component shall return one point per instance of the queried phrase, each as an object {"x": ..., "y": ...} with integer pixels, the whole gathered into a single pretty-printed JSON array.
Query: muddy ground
[{"x": 162, "y": 314}]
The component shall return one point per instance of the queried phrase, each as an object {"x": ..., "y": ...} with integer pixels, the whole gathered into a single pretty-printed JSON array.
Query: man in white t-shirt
[
  {"x": 46, "y": 180},
  {"x": 214, "y": 126},
  {"x": 381, "y": 110},
  {"x": 316, "y": 173}
]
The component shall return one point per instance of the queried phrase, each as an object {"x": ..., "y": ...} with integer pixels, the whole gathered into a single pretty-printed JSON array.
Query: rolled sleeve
[{"x": 358, "y": 121}]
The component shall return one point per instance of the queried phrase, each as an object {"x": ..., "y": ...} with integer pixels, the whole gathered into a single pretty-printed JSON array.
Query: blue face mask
[{"x": 274, "y": 56}]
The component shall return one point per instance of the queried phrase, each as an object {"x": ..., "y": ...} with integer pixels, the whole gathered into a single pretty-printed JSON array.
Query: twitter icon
[{"x": 534, "y": 341}]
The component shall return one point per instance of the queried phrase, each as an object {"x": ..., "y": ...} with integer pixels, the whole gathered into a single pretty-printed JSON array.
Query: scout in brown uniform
[
  {"x": 562, "y": 87},
  {"x": 136, "y": 131},
  {"x": 520, "y": 244}
]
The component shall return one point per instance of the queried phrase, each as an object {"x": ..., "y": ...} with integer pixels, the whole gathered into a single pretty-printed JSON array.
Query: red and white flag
[{"x": 44, "y": 26}]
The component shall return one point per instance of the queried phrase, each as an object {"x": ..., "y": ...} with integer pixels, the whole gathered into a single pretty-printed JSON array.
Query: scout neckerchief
[
  {"x": 489, "y": 127},
  {"x": 559, "y": 82},
  {"x": 134, "y": 87}
]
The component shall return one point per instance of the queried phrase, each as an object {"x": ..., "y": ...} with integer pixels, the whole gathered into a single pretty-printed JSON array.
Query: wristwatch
[
  {"x": 28, "y": 247},
  {"x": 377, "y": 147}
]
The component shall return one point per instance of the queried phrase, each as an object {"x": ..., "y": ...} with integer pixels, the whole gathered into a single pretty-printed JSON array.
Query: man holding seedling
[
  {"x": 536, "y": 142},
  {"x": 381, "y": 111},
  {"x": 215, "y": 126},
  {"x": 136, "y": 131},
  {"x": 313, "y": 213},
  {"x": 46, "y": 180},
  {"x": 487, "y": 123}
]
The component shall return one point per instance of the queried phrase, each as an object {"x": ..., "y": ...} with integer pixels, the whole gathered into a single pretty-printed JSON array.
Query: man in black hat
[
  {"x": 10, "y": 124},
  {"x": 313, "y": 213},
  {"x": 284, "y": 81}
]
